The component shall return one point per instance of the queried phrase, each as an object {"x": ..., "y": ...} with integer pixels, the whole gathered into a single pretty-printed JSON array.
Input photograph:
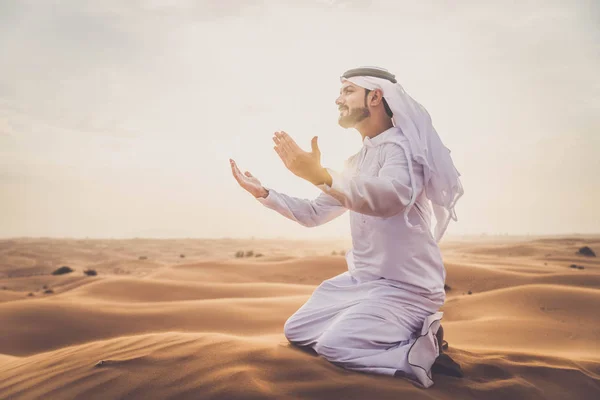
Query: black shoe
[{"x": 445, "y": 365}]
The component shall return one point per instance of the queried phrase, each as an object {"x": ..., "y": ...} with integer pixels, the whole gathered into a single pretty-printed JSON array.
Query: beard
[{"x": 353, "y": 117}]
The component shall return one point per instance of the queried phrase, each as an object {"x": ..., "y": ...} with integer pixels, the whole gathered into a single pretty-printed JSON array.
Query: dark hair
[{"x": 385, "y": 104}]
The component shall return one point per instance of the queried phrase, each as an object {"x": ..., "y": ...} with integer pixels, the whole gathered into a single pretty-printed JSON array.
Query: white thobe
[{"x": 382, "y": 314}]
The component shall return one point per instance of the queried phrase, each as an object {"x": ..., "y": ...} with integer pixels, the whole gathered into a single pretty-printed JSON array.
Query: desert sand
[{"x": 186, "y": 319}]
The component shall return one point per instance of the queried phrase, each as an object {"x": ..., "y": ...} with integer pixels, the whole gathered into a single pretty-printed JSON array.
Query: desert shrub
[
  {"x": 182, "y": 255},
  {"x": 249, "y": 253},
  {"x": 48, "y": 291},
  {"x": 90, "y": 272},
  {"x": 143, "y": 258},
  {"x": 62, "y": 270},
  {"x": 586, "y": 251},
  {"x": 258, "y": 255},
  {"x": 239, "y": 254}
]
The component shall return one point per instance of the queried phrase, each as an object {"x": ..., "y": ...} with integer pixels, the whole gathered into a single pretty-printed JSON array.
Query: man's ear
[{"x": 376, "y": 97}]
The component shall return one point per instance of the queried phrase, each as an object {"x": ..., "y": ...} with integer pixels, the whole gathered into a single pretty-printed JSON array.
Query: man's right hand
[{"x": 248, "y": 181}]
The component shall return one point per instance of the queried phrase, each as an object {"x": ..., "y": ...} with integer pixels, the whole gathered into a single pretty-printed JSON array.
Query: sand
[{"x": 210, "y": 326}]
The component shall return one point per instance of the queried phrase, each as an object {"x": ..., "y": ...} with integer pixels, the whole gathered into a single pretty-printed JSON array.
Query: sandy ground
[{"x": 186, "y": 319}]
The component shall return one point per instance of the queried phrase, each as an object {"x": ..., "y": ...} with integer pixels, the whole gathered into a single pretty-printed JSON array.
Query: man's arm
[
  {"x": 308, "y": 213},
  {"x": 384, "y": 195}
]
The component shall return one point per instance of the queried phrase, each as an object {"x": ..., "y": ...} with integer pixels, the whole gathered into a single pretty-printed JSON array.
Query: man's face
[{"x": 352, "y": 105}]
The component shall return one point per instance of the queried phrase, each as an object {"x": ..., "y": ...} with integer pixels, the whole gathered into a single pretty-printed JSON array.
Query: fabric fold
[{"x": 425, "y": 350}]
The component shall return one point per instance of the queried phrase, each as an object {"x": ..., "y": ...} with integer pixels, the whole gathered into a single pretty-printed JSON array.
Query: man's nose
[{"x": 338, "y": 102}]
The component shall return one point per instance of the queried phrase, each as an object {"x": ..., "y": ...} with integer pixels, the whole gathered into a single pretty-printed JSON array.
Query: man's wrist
[
  {"x": 264, "y": 193},
  {"x": 324, "y": 178}
]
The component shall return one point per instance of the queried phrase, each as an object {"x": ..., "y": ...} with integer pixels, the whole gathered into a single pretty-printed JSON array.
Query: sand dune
[
  {"x": 559, "y": 320},
  {"x": 209, "y": 325},
  {"x": 8, "y": 296},
  {"x": 41, "y": 325},
  {"x": 155, "y": 290},
  {"x": 307, "y": 270}
]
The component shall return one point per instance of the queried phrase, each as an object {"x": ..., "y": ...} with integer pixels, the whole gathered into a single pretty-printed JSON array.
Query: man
[{"x": 382, "y": 315}]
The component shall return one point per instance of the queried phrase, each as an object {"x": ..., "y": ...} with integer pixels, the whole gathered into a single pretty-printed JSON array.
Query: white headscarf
[{"x": 441, "y": 178}]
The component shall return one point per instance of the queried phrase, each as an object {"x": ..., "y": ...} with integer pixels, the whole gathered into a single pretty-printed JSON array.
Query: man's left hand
[{"x": 306, "y": 165}]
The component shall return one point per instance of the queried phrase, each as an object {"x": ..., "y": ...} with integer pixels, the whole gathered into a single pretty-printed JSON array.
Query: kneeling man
[{"x": 382, "y": 315}]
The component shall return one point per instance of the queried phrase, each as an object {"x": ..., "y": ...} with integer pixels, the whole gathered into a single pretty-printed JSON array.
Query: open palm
[{"x": 247, "y": 181}]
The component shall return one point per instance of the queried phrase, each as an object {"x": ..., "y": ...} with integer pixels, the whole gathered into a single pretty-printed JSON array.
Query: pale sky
[{"x": 117, "y": 118}]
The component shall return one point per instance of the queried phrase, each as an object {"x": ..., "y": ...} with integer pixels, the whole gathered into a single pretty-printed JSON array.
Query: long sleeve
[
  {"x": 309, "y": 213},
  {"x": 383, "y": 195}
]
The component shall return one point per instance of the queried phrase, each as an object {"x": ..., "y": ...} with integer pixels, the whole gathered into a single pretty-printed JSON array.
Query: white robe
[{"x": 382, "y": 315}]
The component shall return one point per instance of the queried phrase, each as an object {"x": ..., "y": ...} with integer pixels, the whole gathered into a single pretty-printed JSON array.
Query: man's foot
[{"x": 445, "y": 365}]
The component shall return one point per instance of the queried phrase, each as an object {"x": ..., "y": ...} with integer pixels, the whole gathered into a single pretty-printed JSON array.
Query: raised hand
[
  {"x": 306, "y": 165},
  {"x": 247, "y": 181}
]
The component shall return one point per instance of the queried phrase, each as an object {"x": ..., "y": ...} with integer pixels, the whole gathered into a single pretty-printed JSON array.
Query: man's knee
[
  {"x": 290, "y": 329},
  {"x": 332, "y": 345}
]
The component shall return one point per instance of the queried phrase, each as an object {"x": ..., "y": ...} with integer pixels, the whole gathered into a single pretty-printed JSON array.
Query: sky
[{"x": 117, "y": 119}]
